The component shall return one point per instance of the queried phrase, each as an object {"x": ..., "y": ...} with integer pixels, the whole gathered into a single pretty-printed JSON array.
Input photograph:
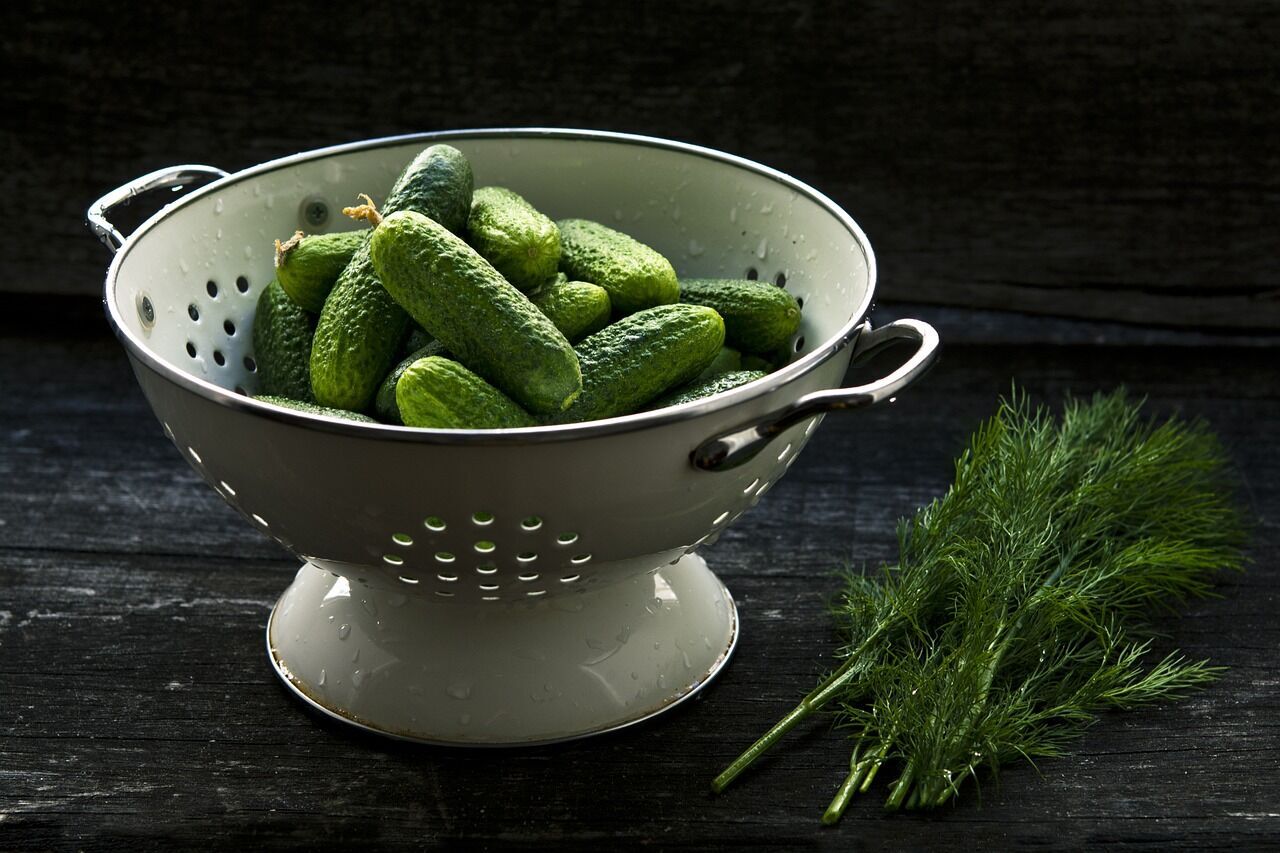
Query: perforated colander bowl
[{"x": 496, "y": 587}]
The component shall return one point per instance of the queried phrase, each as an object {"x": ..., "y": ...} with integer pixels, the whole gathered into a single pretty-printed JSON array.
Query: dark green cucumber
[
  {"x": 361, "y": 326},
  {"x": 308, "y": 266},
  {"x": 282, "y": 344},
  {"x": 384, "y": 402},
  {"x": 726, "y": 361},
  {"x": 706, "y": 388},
  {"x": 758, "y": 317},
  {"x": 438, "y": 393},
  {"x": 636, "y": 276},
  {"x": 508, "y": 232},
  {"x": 313, "y": 409},
  {"x": 477, "y": 315},
  {"x": 638, "y": 358},
  {"x": 577, "y": 308},
  {"x": 759, "y": 362}
]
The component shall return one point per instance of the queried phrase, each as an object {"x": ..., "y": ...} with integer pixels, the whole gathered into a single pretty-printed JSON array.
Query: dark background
[
  {"x": 1104, "y": 160},
  {"x": 1016, "y": 165}
]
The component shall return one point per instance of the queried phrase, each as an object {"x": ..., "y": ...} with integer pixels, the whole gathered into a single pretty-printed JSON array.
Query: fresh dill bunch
[{"x": 1012, "y": 615}]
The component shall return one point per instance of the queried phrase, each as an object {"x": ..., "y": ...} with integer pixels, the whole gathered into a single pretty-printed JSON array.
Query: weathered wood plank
[{"x": 1109, "y": 161}]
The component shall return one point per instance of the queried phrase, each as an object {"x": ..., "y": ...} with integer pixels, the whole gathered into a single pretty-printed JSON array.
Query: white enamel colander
[{"x": 512, "y": 586}]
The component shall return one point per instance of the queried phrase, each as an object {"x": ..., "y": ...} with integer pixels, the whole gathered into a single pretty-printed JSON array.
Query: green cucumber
[
  {"x": 758, "y": 317},
  {"x": 384, "y": 402},
  {"x": 308, "y": 265},
  {"x": 726, "y": 361},
  {"x": 706, "y": 388},
  {"x": 636, "y": 276},
  {"x": 361, "y": 326},
  {"x": 508, "y": 232},
  {"x": 759, "y": 362},
  {"x": 640, "y": 357},
  {"x": 477, "y": 315},
  {"x": 577, "y": 308},
  {"x": 438, "y": 393},
  {"x": 282, "y": 344},
  {"x": 313, "y": 409}
]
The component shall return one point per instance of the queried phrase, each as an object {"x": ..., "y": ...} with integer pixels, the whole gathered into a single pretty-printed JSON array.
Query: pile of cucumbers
[{"x": 465, "y": 308}]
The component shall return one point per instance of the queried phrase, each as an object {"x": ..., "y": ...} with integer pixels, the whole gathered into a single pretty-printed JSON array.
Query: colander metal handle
[
  {"x": 734, "y": 448},
  {"x": 172, "y": 177}
]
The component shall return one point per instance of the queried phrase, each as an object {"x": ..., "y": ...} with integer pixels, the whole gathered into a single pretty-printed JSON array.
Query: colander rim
[{"x": 138, "y": 350}]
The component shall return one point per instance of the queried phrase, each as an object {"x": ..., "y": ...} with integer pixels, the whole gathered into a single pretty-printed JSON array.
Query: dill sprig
[{"x": 1018, "y": 607}]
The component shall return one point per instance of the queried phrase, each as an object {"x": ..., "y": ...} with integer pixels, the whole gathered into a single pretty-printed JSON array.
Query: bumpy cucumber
[
  {"x": 758, "y": 317},
  {"x": 438, "y": 393},
  {"x": 638, "y": 358},
  {"x": 312, "y": 409},
  {"x": 706, "y": 388},
  {"x": 308, "y": 266},
  {"x": 282, "y": 344},
  {"x": 726, "y": 361},
  {"x": 759, "y": 362},
  {"x": 577, "y": 308},
  {"x": 477, "y": 315},
  {"x": 384, "y": 402},
  {"x": 636, "y": 276},
  {"x": 361, "y": 326},
  {"x": 508, "y": 232}
]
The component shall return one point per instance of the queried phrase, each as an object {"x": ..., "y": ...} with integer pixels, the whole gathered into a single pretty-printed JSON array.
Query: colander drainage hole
[
  {"x": 482, "y": 519},
  {"x": 260, "y": 519},
  {"x": 229, "y": 327},
  {"x": 534, "y": 593},
  {"x": 721, "y": 517},
  {"x": 785, "y": 451},
  {"x": 531, "y": 523},
  {"x": 444, "y": 593},
  {"x": 444, "y": 557},
  {"x": 195, "y": 456},
  {"x": 435, "y": 523},
  {"x": 489, "y": 587},
  {"x": 211, "y": 287},
  {"x": 219, "y": 357},
  {"x": 242, "y": 284},
  {"x": 447, "y": 578},
  {"x": 751, "y": 486},
  {"x": 526, "y": 557},
  {"x": 227, "y": 486},
  {"x": 484, "y": 546},
  {"x": 780, "y": 279},
  {"x": 753, "y": 273},
  {"x": 490, "y": 598},
  {"x": 402, "y": 539},
  {"x": 250, "y": 365},
  {"x": 191, "y": 349},
  {"x": 580, "y": 559},
  {"x": 799, "y": 301},
  {"x": 799, "y": 343},
  {"x": 567, "y": 538},
  {"x": 193, "y": 312},
  {"x": 393, "y": 559},
  {"x": 526, "y": 578},
  {"x": 569, "y": 578},
  {"x": 487, "y": 568},
  {"x": 408, "y": 580}
]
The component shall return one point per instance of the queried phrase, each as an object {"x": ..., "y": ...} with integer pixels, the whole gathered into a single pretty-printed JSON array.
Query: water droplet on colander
[
  {"x": 624, "y": 634},
  {"x": 344, "y": 631},
  {"x": 662, "y": 679},
  {"x": 763, "y": 249},
  {"x": 369, "y": 606},
  {"x": 321, "y": 680},
  {"x": 598, "y": 645},
  {"x": 733, "y": 214},
  {"x": 183, "y": 265},
  {"x": 357, "y": 677},
  {"x": 217, "y": 206},
  {"x": 355, "y": 656},
  {"x": 248, "y": 251},
  {"x": 218, "y": 234},
  {"x": 766, "y": 208},
  {"x": 461, "y": 690},
  {"x": 635, "y": 676},
  {"x": 696, "y": 248}
]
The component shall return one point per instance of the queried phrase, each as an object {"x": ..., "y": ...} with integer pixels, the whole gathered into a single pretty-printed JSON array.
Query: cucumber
[
  {"x": 384, "y": 402},
  {"x": 577, "y": 308},
  {"x": 282, "y": 344},
  {"x": 438, "y": 393},
  {"x": 638, "y": 358},
  {"x": 313, "y": 409},
  {"x": 636, "y": 276},
  {"x": 477, "y": 315},
  {"x": 308, "y": 266},
  {"x": 726, "y": 361},
  {"x": 361, "y": 326},
  {"x": 417, "y": 338},
  {"x": 758, "y": 362},
  {"x": 706, "y": 388},
  {"x": 758, "y": 317},
  {"x": 511, "y": 234}
]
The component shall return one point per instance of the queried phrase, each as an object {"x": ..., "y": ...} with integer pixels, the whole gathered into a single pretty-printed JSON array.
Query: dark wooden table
[{"x": 138, "y": 710}]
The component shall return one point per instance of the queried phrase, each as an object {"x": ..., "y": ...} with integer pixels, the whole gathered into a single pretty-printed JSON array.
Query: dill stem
[
  {"x": 841, "y": 800},
  {"x": 900, "y": 787},
  {"x": 810, "y": 703}
]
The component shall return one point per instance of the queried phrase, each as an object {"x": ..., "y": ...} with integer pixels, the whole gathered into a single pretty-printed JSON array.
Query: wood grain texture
[
  {"x": 1095, "y": 160},
  {"x": 138, "y": 710}
]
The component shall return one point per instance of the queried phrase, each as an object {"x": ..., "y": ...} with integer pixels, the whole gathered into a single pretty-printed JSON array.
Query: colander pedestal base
[{"x": 494, "y": 674}]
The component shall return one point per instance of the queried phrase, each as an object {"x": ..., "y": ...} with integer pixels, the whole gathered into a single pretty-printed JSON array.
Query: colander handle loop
[
  {"x": 168, "y": 178},
  {"x": 741, "y": 445}
]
